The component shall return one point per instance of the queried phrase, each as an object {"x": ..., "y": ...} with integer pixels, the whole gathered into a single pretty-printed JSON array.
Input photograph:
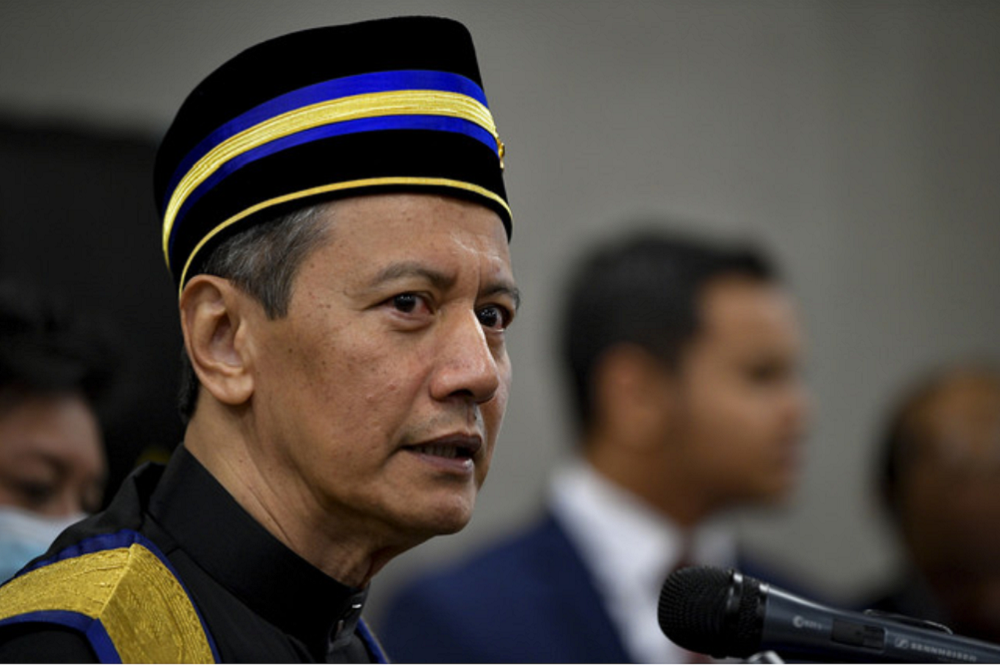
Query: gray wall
[{"x": 860, "y": 141}]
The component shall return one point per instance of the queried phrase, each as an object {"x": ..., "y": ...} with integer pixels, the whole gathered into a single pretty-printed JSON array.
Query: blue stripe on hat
[{"x": 349, "y": 86}]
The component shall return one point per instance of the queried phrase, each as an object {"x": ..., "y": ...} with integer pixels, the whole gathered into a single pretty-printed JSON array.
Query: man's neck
[
  {"x": 646, "y": 473},
  {"x": 283, "y": 505}
]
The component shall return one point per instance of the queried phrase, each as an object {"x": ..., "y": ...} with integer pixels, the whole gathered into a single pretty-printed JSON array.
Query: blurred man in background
[
  {"x": 54, "y": 375},
  {"x": 683, "y": 360},
  {"x": 940, "y": 481}
]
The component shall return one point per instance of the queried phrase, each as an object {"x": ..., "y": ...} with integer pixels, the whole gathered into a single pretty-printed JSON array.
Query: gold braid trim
[
  {"x": 337, "y": 187},
  {"x": 142, "y": 606}
]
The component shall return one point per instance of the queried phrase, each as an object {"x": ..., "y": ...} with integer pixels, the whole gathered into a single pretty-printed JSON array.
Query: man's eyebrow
[
  {"x": 408, "y": 269},
  {"x": 505, "y": 289}
]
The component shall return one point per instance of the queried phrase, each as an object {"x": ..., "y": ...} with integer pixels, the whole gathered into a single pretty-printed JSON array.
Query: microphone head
[{"x": 711, "y": 611}]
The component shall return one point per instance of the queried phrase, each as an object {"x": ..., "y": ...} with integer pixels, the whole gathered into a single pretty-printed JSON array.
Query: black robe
[{"x": 258, "y": 600}]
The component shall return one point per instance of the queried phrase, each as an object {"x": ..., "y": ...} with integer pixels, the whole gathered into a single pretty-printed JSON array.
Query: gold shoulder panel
[{"x": 142, "y": 606}]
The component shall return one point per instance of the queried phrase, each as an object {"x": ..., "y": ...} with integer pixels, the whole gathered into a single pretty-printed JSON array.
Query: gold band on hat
[{"x": 337, "y": 187}]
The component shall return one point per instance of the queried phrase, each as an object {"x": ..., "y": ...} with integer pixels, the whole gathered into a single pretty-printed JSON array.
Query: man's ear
[
  {"x": 214, "y": 321},
  {"x": 634, "y": 396}
]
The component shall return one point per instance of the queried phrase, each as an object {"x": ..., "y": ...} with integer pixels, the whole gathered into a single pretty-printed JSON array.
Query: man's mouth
[
  {"x": 443, "y": 451},
  {"x": 456, "y": 447}
]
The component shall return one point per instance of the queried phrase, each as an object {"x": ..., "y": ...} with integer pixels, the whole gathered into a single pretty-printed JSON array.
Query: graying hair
[{"x": 261, "y": 261}]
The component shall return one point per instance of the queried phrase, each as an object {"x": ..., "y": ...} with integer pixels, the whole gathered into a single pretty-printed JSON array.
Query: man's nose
[
  {"x": 467, "y": 366},
  {"x": 798, "y": 404}
]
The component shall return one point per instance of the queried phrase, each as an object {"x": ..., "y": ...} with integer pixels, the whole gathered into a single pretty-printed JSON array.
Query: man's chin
[
  {"x": 451, "y": 523},
  {"x": 766, "y": 494},
  {"x": 776, "y": 495},
  {"x": 441, "y": 519}
]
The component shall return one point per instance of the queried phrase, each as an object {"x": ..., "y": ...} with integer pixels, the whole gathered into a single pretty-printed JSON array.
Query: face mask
[{"x": 25, "y": 535}]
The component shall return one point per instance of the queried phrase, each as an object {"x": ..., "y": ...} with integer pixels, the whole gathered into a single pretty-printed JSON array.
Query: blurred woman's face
[{"x": 51, "y": 456}]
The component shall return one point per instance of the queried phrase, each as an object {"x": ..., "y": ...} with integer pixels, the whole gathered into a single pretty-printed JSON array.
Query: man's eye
[
  {"x": 768, "y": 373},
  {"x": 494, "y": 316},
  {"x": 406, "y": 302}
]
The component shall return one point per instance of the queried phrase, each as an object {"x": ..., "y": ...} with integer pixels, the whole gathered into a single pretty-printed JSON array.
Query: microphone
[{"x": 726, "y": 614}]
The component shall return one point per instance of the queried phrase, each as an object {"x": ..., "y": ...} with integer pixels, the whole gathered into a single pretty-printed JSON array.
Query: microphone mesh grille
[
  {"x": 692, "y": 606},
  {"x": 693, "y": 612}
]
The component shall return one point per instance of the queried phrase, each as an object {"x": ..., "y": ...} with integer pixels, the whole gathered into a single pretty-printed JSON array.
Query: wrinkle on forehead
[{"x": 492, "y": 251}]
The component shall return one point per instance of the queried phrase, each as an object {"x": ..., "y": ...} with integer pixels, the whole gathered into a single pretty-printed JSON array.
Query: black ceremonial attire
[{"x": 257, "y": 600}]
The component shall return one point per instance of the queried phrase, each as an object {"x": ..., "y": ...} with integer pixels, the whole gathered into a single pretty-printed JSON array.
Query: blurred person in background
[
  {"x": 683, "y": 359},
  {"x": 940, "y": 482},
  {"x": 55, "y": 375}
]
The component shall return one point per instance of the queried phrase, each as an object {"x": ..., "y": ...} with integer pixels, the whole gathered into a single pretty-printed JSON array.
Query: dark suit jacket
[{"x": 528, "y": 600}]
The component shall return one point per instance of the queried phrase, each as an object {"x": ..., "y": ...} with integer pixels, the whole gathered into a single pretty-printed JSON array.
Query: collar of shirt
[
  {"x": 630, "y": 548},
  {"x": 235, "y": 550}
]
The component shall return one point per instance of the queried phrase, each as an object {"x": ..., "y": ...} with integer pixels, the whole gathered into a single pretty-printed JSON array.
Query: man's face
[
  {"x": 950, "y": 499},
  {"x": 741, "y": 404},
  {"x": 380, "y": 396},
  {"x": 51, "y": 456}
]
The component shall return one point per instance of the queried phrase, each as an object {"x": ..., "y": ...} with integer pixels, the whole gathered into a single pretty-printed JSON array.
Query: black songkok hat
[{"x": 380, "y": 106}]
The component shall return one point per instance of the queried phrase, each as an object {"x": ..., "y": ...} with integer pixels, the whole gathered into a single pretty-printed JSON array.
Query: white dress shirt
[{"x": 630, "y": 549}]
